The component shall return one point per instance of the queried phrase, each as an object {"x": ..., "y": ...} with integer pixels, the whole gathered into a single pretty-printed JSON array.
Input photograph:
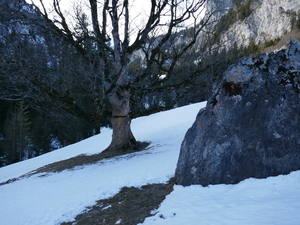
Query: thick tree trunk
[{"x": 122, "y": 137}]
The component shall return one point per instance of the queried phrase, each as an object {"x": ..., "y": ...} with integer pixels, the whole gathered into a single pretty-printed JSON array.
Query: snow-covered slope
[{"x": 59, "y": 197}]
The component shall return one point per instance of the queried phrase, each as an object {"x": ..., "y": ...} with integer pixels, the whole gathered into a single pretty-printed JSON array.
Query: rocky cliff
[
  {"x": 268, "y": 20},
  {"x": 251, "y": 125},
  {"x": 220, "y": 7}
]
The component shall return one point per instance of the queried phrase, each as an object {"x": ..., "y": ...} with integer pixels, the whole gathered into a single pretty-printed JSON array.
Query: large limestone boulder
[{"x": 250, "y": 126}]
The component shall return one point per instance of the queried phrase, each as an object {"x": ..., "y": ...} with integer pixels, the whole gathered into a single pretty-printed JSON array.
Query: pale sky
[{"x": 138, "y": 10}]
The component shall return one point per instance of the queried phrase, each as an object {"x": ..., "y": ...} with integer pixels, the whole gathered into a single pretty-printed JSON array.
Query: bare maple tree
[{"x": 116, "y": 39}]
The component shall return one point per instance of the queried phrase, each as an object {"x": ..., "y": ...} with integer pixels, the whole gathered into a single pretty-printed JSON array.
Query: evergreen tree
[{"x": 23, "y": 132}]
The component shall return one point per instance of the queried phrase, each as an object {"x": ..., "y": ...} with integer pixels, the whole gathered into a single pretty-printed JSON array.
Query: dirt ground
[{"x": 129, "y": 207}]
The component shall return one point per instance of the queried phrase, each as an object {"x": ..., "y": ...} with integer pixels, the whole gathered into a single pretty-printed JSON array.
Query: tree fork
[{"x": 114, "y": 58}]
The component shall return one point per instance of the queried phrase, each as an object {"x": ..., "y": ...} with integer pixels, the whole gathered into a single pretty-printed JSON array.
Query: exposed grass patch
[
  {"x": 130, "y": 206},
  {"x": 80, "y": 160}
]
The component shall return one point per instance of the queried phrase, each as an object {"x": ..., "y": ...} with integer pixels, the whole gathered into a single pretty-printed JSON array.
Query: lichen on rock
[{"x": 250, "y": 126}]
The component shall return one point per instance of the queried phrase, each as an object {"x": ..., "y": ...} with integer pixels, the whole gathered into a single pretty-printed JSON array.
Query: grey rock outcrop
[
  {"x": 250, "y": 126},
  {"x": 219, "y": 7},
  {"x": 269, "y": 20}
]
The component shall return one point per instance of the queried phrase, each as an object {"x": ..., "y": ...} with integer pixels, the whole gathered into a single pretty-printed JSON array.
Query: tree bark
[
  {"x": 114, "y": 58},
  {"x": 122, "y": 137}
]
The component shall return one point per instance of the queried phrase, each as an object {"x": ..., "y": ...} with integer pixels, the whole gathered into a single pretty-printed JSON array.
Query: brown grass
[
  {"x": 130, "y": 206},
  {"x": 79, "y": 160}
]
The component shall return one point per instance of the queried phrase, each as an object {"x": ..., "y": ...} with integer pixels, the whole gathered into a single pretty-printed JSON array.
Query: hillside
[
  {"x": 54, "y": 198},
  {"x": 258, "y": 22},
  {"x": 33, "y": 123}
]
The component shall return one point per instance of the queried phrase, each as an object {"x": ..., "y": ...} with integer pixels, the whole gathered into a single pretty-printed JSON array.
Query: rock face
[
  {"x": 250, "y": 126},
  {"x": 218, "y": 6},
  {"x": 269, "y": 19}
]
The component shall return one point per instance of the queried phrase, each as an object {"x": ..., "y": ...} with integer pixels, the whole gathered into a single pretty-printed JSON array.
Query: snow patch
[{"x": 58, "y": 197}]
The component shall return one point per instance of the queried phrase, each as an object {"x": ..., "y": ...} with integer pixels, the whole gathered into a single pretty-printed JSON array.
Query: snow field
[
  {"x": 271, "y": 201},
  {"x": 51, "y": 199}
]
